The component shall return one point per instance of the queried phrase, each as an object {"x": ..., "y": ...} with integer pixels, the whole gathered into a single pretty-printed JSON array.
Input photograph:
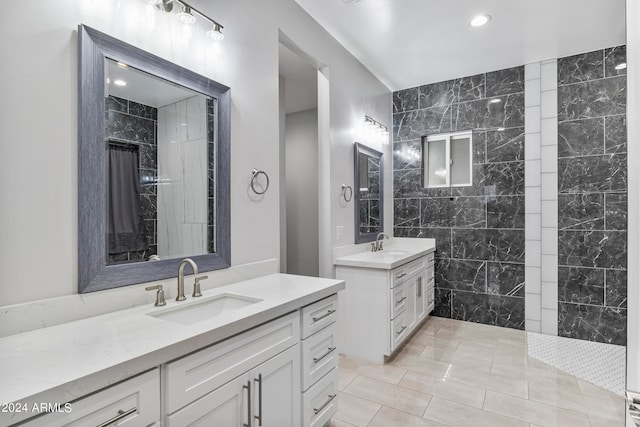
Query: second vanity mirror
[
  {"x": 368, "y": 195},
  {"x": 153, "y": 166}
]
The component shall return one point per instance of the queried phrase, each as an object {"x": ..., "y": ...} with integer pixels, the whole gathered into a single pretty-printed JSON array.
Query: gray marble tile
[
  {"x": 437, "y": 94},
  {"x": 130, "y": 128},
  {"x": 469, "y": 244},
  {"x": 592, "y": 323},
  {"x": 591, "y": 174},
  {"x": 615, "y": 135},
  {"x": 581, "y": 211},
  {"x": 503, "y": 82},
  {"x": 407, "y": 155},
  {"x": 489, "y": 245},
  {"x": 580, "y": 68},
  {"x": 505, "y": 212},
  {"x": 144, "y": 111},
  {"x": 374, "y": 215},
  {"x": 477, "y": 187},
  {"x": 616, "y": 288},
  {"x": 436, "y": 212},
  {"x": 505, "y": 146},
  {"x": 469, "y": 88},
  {"x": 407, "y": 183},
  {"x": 479, "y": 147},
  {"x": 148, "y": 156},
  {"x": 488, "y": 309},
  {"x": 615, "y": 211},
  {"x": 442, "y": 303},
  {"x": 504, "y": 178},
  {"x": 581, "y": 285},
  {"x": 597, "y": 98},
  {"x": 505, "y": 279},
  {"x": 117, "y": 104},
  {"x": 148, "y": 181},
  {"x": 406, "y": 212},
  {"x": 484, "y": 115},
  {"x": 441, "y": 235},
  {"x": 149, "y": 207},
  {"x": 581, "y": 137},
  {"x": 599, "y": 249},
  {"x": 468, "y": 212},
  {"x": 612, "y": 57},
  {"x": 461, "y": 275},
  {"x": 405, "y": 100},
  {"x": 415, "y": 124}
]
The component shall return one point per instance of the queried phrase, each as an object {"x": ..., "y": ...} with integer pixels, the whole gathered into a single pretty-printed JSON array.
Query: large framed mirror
[
  {"x": 368, "y": 193},
  {"x": 153, "y": 166}
]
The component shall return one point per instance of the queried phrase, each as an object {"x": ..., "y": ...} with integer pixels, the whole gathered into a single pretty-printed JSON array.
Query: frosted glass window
[
  {"x": 460, "y": 161},
  {"x": 437, "y": 163},
  {"x": 447, "y": 160}
]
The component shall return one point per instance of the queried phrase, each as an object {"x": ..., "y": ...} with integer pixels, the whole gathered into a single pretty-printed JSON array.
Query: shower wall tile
[
  {"x": 598, "y": 98},
  {"x": 581, "y": 68},
  {"x": 584, "y": 211},
  {"x": 615, "y": 135},
  {"x": 479, "y": 230},
  {"x": 613, "y": 57},
  {"x": 581, "y": 137},
  {"x": 615, "y": 211},
  {"x": 592, "y": 323},
  {"x": 581, "y": 285},
  {"x": 616, "y": 288},
  {"x": 604, "y": 173},
  {"x": 599, "y": 249}
]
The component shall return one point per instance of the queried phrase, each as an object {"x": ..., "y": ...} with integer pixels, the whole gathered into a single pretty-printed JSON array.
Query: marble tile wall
[
  {"x": 479, "y": 230},
  {"x": 134, "y": 123},
  {"x": 592, "y": 197}
]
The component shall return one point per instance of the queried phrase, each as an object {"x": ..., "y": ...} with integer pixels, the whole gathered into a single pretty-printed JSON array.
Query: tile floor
[{"x": 459, "y": 374}]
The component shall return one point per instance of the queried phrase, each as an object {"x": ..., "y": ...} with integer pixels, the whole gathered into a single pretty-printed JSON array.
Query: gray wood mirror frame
[
  {"x": 93, "y": 272},
  {"x": 368, "y": 193}
]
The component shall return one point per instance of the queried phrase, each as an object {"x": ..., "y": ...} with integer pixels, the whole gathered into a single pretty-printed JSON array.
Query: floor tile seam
[
  {"x": 380, "y": 379},
  {"x": 396, "y": 385},
  {"x": 375, "y": 415},
  {"x": 565, "y": 406},
  {"x": 479, "y": 409},
  {"x": 343, "y": 421},
  {"x": 547, "y": 405}
]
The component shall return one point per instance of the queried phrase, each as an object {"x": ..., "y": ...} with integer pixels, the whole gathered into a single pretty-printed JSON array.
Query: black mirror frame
[
  {"x": 93, "y": 273},
  {"x": 360, "y": 149}
]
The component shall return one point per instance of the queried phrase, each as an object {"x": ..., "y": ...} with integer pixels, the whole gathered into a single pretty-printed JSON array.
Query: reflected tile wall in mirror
[{"x": 479, "y": 230}]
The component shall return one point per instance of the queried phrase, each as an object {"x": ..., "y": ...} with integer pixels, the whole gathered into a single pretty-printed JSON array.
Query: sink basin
[{"x": 203, "y": 310}]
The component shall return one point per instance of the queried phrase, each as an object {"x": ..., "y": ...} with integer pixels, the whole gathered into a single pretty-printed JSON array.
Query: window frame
[{"x": 447, "y": 137}]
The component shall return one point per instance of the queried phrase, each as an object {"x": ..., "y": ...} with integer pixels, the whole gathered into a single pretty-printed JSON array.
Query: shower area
[{"x": 538, "y": 242}]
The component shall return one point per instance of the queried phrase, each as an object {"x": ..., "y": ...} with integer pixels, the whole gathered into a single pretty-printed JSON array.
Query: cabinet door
[
  {"x": 276, "y": 390},
  {"x": 421, "y": 300},
  {"x": 225, "y": 406},
  {"x": 411, "y": 303}
]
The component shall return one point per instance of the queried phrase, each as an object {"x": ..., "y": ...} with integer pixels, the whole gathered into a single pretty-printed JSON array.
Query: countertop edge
[{"x": 379, "y": 265}]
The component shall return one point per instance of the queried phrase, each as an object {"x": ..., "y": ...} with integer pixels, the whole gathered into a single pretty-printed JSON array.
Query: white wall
[
  {"x": 38, "y": 143},
  {"x": 301, "y": 141}
]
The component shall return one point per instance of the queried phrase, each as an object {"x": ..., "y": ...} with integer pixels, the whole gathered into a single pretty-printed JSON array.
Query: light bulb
[
  {"x": 216, "y": 32},
  {"x": 621, "y": 66},
  {"x": 185, "y": 16}
]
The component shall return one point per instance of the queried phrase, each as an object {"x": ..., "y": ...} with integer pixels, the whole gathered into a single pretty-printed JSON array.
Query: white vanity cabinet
[
  {"x": 380, "y": 307},
  {"x": 131, "y": 403},
  {"x": 249, "y": 380}
]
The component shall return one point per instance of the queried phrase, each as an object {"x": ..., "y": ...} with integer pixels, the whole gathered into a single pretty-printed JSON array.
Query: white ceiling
[
  {"x": 301, "y": 86},
  {"x": 407, "y": 43}
]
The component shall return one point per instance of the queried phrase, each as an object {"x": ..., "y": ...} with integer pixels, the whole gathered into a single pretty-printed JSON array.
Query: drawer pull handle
[
  {"x": 316, "y": 411},
  {"x": 248, "y": 387},
  {"x": 400, "y": 275},
  {"x": 121, "y": 414},
  {"x": 329, "y": 351},
  {"x": 327, "y": 314},
  {"x": 401, "y": 330},
  {"x": 399, "y": 301}
]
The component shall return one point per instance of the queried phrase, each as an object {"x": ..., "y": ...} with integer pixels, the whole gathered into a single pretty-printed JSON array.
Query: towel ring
[
  {"x": 254, "y": 175},
  {"x": 344, "y": 193}
]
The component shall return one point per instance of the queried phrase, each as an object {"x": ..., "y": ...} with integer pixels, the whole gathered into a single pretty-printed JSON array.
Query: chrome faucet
[
  {"x": 196, "y": 283},
  {"x": 377, "y": 245}
]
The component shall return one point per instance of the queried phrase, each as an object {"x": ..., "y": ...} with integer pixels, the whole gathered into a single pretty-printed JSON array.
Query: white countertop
[
  {"x": 397, "y": 251},
  {"x": 63, "y": 362}
]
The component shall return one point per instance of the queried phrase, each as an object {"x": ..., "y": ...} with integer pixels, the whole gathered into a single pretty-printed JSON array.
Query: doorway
[{"x": 299, "y": 159}]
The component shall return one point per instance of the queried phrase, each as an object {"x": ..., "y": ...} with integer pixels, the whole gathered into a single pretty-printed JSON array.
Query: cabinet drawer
[
  {"x": 136, "y": 400},
  {"x": 195, "y": 375},
  {"x": 318, "y": 315},
  {"x": 398, "y": 300},
  {"x": 319, "y": 355},
  {"x": 416, "y": 266},
  {"x": 430, "y": 257},
  {"x": 398, "y": 330},
  {"x": 398, "y": 275},
  {"x": 320, "y": 402}
]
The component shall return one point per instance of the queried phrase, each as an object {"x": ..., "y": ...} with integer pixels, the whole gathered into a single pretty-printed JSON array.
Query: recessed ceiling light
[
  {"x": 119, "y": 82},
  {"x": 495, "y": 101},
  {"x": 480, "y": 20},
  {"x": 500, "y": 129},
  {"x": 621, "y": 66}
]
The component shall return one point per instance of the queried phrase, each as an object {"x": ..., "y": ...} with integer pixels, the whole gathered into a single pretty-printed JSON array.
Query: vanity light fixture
[
  {"x": 186, "y": 17},
  {"x": 119, "y": 82},
  {"x": 377, "y": 130},
  {"x": 621, "y": 66},
  {"x": 188, "y": 14},
  {"x": 480, "y": 20}
]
